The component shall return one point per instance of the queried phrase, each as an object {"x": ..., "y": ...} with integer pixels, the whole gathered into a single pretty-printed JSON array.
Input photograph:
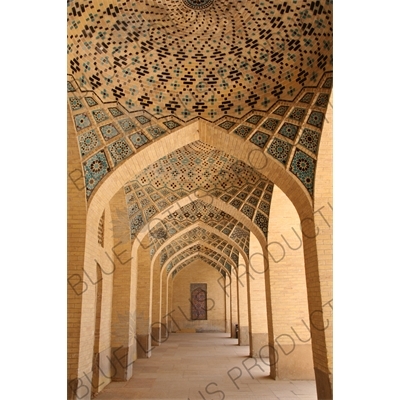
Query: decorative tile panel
[
  {"x": 303, "y": 166},
  {"x": 138, "y": 139},
  {"x": 88, "y": 142},
  {"x": 119, "y": 151},
  {"x": 280, "y": 150},
  {"x": 289, "y": 130},
  {"x": 95, "y": 168},
  {"x": 310, "y": 140},
  {"x": 81, "y": 121},
  {"x": 316, "y": 118},
  {"x": 108, "y": 131}
]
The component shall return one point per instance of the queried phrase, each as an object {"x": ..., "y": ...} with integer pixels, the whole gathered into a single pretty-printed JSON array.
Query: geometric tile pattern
[
  {"x": 119, "y": 150},
  {"x": 202, "y": 250},
  {"x": 197, "y": 211},
  {"x": 99, "y": 115},
  {"x": 310, "y": 140},
  {"x": 126, "y": 124},
  {"x": 217, "y": 265},
  {"x": 108, "y": 131},
  {"x": 255, "y": 119},
  {"x": 156, "y": 131},
  {"x": 121, "y": 126},
  {"x": 227, "y": 125},
  {"x": 261, "y": 221},
  {"x": 95, "y": 168},
  {"x": 70, "y": 87},
  {"x": 316, "y": 118},
  {"x": 303, "y": 166},
  {"x": 75, "y": 103},
  {"x": 298, "y": 114},
  {"x": 91, "y": 101},
  {"x": 260, "y": 139},
  {"x": 279, "y": 149},
  {"x": 270, "y": 124},
  {"x": 115, "y": 112},
  {"x": 322, "y": 100},
  {"x": 142, "y": 119},
  {"x": 289, "y": 130},
  {"x": 199, "y": 234},
  {"x": 214, "y": 59},
  {"x": 81, "y": 121},
  {"x": 328, "y": 83},
  {"x": 242, "y": 131},
  {"x": 171, "y": 124},
  {"x": 281, "y": 110},
  {"x": 307, "y": 98},
  {"x": 138, "y": 139},
  {"x": 199, "y": 167},
  {"x": 88, "y": 141}
]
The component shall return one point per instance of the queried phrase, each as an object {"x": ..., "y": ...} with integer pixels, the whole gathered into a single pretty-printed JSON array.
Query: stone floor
[{"x": 204, "y": 366}]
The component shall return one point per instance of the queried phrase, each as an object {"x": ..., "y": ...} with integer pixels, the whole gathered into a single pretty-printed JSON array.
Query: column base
[
  {"x": 144, "y": 346},
  {"x": 156, "y": 336},
  {"x": 164, "y": 331},
  {"x": 233, "y": 330},
  {"x": 103, "y": 370},
  {"x": 258, "y": 343},
  {"x": 324, "y": 382},
  {"x": 294, "y": 361},
  {"x": 244, "y": 336},
  {"x": 80, "y": 388},
  {"x": 122, "y": 359}
]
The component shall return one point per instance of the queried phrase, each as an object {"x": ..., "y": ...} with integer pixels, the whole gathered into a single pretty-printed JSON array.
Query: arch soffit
[
  {"x": 194, "y": 245},
  {"x": 189, "y": 261}
]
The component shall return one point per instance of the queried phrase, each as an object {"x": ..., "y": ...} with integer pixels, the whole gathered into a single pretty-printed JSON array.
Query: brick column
[
  {"x": 258, "y": 323},
  {"x": 291, "y": 339},
  {"x": 144, "y": 300},
  {"x": 124, "y": 292},
  {"x": 156, "y": 306},
  {"x": 233, "y": 302},
  {"x": 242, "y": 300}
]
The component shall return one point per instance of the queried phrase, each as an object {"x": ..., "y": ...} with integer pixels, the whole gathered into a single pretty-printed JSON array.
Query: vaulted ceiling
[{"x": 140, "y": 70}]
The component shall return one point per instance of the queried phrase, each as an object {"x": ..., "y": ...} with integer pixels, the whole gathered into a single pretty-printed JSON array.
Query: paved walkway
[{"x": 204, "y": 366}]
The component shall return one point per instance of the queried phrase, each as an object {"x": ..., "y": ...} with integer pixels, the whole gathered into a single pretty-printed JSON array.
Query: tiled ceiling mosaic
[
  {"x": 206, "y": 237},
  {"x": 107, "y": 136},
  {"x": 198, "y": 167},
  {"x": 215, "y": 264},
  {"x": 202, "y": 58},
  {"x": 202, "y": 251},
  {"x": 141, "y": 70},
  {"x": 191, "y": 214}
]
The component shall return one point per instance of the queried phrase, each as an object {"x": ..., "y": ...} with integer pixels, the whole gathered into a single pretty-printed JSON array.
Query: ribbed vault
[
  {"x": 179, "y": 267},
  {"x": 192, "y": 213},
  {"x": 201, "y": 249},
  {"x": 202, "y": 235}
]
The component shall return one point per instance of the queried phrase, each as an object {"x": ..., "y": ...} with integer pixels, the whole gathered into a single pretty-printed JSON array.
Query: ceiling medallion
[{"x": 198, "y": 4}]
